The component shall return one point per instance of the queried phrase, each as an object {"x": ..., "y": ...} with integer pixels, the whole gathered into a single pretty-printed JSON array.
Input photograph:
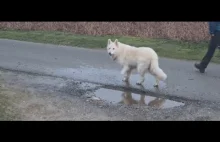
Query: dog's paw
[
  {"x": 125, "y": 80},
  {"x": 138, "y": 83}
]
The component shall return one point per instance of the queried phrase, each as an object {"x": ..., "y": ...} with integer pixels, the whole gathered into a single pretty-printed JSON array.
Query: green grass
[{"x": 165, "y": 48}]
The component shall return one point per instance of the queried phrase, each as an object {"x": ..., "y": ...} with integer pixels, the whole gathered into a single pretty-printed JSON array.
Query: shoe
[{"x": 198, "y": 66}]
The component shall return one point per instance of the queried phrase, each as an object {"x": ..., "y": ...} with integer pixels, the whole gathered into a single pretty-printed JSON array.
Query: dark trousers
[{"x": 213, "y": 44}]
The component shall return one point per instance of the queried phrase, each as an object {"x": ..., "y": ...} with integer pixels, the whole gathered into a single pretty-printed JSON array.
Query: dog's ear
[
  {"x": 109, "y": 41},
  {"x": 116, "y": 42}
]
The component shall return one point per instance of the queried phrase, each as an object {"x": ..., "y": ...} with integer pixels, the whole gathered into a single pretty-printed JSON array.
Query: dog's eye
[{"x": 113, "y": 48}]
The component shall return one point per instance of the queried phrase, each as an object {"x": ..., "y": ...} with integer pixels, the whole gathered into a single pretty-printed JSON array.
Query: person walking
[{"x": 214, "y": 30}]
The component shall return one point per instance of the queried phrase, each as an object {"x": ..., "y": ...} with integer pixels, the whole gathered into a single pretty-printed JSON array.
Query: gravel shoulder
[{"x": 32, "y": 97}]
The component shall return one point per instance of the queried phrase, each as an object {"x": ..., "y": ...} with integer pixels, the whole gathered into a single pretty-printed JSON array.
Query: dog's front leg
[
  {"x": 157, "y": 82},
  {"x": 126, "y": 71}
]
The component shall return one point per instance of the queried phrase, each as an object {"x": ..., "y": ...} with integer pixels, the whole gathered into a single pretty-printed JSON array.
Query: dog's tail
[{"x": 156, "y": 70}]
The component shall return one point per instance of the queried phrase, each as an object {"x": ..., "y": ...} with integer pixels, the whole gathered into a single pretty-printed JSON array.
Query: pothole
[{"x": 129, "y": 98}]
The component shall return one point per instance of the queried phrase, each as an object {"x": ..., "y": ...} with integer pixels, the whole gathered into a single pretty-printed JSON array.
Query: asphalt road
[{"x": 95, "y": 67}]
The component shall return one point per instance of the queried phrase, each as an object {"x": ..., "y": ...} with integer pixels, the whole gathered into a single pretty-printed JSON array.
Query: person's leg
[{"x": 214, "y": 42}]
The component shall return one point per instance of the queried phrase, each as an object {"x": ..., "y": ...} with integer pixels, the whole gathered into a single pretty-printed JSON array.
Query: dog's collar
[{"x": 114, "y": 58}]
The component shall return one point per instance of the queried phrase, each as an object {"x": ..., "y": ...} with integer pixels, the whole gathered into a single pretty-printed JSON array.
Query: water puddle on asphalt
[{"x": 128, "y": 98}]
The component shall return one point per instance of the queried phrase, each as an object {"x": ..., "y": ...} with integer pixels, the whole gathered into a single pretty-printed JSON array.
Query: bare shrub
[{"x": 189, "y": 31}]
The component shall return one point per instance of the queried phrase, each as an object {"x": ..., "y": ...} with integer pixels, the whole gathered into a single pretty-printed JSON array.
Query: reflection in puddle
[{"x": 129, "y": 98}]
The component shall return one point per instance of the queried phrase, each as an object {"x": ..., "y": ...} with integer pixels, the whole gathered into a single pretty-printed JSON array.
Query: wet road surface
[{"x": 185, "y": 88}]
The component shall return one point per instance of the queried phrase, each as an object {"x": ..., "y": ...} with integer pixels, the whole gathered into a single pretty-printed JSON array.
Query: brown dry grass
[{"x": 188, "y": 31}]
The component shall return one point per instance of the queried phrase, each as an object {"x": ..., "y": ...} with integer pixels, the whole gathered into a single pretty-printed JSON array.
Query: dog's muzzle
[{"x": 112, "y": 55}]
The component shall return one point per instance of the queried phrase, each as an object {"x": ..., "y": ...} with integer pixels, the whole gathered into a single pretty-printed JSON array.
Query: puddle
[{"x": 128, "y": 98}]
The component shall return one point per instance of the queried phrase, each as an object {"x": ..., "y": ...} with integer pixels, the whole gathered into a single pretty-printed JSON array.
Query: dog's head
[{"x": 112, "y": 48}]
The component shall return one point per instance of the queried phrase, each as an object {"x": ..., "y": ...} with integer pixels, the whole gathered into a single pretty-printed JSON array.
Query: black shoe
[{"x": 198, "y": 66}]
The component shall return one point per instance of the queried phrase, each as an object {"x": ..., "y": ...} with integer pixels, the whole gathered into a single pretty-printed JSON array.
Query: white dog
[{"x": 142, "y": 59}]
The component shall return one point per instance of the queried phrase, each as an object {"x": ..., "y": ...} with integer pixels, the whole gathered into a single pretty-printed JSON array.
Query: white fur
[{"x": 143, "y": 59}]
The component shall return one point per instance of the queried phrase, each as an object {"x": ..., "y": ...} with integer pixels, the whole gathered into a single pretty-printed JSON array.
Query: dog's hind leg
[
  {"x": 156, "y": 79},
  {"x": 141, "y": 68},
  {"x": 142, "y": 75}
]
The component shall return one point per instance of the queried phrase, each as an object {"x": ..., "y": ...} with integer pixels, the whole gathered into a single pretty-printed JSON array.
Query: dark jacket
[{"x": 213, "y": 27}]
